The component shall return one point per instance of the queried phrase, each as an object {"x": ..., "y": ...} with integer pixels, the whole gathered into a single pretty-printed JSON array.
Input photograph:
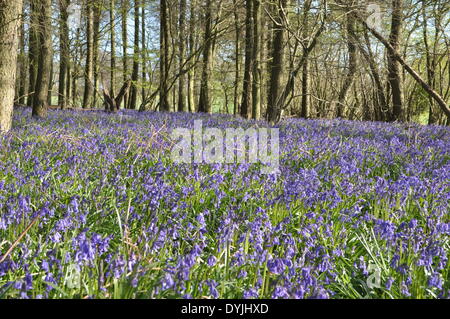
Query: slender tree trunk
[
  {"x": 143, "y": 54},
  {"x": 125, "y": 7},
  {"x": 135, "y": 75},
  {"x": 276, "y": 67},
  {"x": 182, "y": 105},
  {"x": 304, "y": 105},
  {"x": 164, "y": 56},
  {"x": 256, "y": 85},
  {"x": 430, "y": 65},
  {"x": 10, "y": 12},
  {"x": 305, "y": 69},
  {"x": 33, "y": 51},
  {"x": 23, "y": 63},
  {"x": 76, "y": 65},
  {"x": 394, "y": 75},
  {"x": 64, "y": 52},
  {"x": 112, "y": 18},
  {"x": 96, "y": 41},
  {"x": 264, "y": 56},
  {"x": 89, "y": 67},
  {"x": 204, "y": 103},
  {"x": 237, "y": 54},
  {"x": 51, "y": 84},
  {"x": 248, "y": 74},
  {"x": 68, "y": 84},
  {"x": 40, "y": 102},
  {"x": 192, "y": 49}
]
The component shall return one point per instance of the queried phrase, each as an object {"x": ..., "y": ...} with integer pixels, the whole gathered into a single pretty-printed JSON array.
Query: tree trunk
[
  {"x": 164, "y": 56},
  {"x": 430, "y": 65},
  {"x": 192, "y": 49},
  {"x": 304, "y": 103},
  {"x": 182, "y": 105},
  {"x": 23, "y": 64},
  {"x": 204, "y": 103},
  {"x": 64, "y": 52},
  {"x": 135, "y": 75},
  {"x": 276, "y": 67},
  {"x": 143, "y": 56},
  {"x": 33, "y": 51},
  {"x": 256, "y": 85},
  {"x": 96, "y": 41},
  {"x": 237, "y": 54},
  {"x": 248, "y": 68},
  {"x": 50, "y": 86},
  {"x": 394, "y": 75},
  {"x": 76, "y": 65},
  {"x": 45, "y": 59},
  {"x": 112, "y": 18},
  {"x": 305, "y": 70},
  {"x": 89, "y": 67},
  {"x": 68, "y": 83},
  {"x": 125, "y": 8},
  {"x": 10, "y": 12}
]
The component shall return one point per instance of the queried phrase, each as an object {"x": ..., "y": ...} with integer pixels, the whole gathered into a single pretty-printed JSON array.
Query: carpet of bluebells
[{"x": 93, "y": 207}]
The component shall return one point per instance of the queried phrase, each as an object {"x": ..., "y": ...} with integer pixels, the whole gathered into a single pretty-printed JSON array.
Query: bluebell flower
[
  {"x": 211, "y": 261},
  {"x": 436, "y": 281},
  {"x": 250, "y": 294},
  {"x": 280, "y": 293},
  {"x": 212, "y": 288},
  {"x": 275, "y": 265}
]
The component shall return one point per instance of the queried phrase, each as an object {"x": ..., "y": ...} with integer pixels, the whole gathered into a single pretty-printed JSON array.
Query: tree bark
[
  {"x": 164, "y": 56},
  {"x": 430, "y": 64},
  {"x": 125, "y": 8},
  {"x": 96, "y": 43},
  {"x": 64, "y": 52},
  {"x": 76, "y": 64},
  {"x": 204, "y": 104},
  {"x": 112, "y": 19},
  {"x": 22, "y": 81},
  {"x": 135, "y": 74},
  {"x": 237, "y": 55},
  {"x": 10, "y": 17},
  {"x": 192, "y": 50},
  {"x": 89, "y": 66},
  {"x": 51, "y": 83},
  {"x": 40, "y": 102},
  {"x": 182, "y": 104},
  {"x": 143, "y": 56},
  {"x": 394, "y": 75},
  {"x": 305, "y": 69},
  {"x": 248, "y": 74},
  {"x": 305, "y": 79},
  {"x": 276, "y": 67},
  {"x": 33, "y": 51},
  {"x": 256, "y": 85}
]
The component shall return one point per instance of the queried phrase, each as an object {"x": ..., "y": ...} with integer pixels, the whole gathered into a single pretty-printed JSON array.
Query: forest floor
[{"x": 93, "y": 205}]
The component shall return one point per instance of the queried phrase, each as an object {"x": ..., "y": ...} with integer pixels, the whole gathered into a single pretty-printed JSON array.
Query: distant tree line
[{"x": 260, "y": 59}]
